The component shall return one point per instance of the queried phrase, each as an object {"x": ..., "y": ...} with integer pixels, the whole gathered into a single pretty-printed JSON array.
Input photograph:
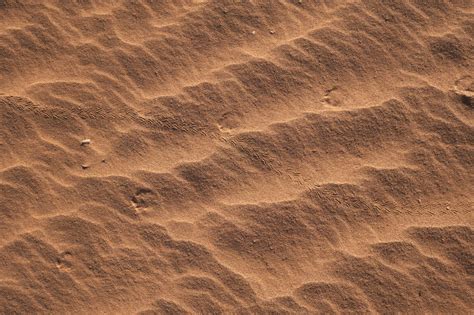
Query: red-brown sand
[{"x": 236, "y": 157}]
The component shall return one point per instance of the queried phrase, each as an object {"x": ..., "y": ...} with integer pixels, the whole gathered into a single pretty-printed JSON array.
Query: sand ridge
[{"x": 243, "y": 157}]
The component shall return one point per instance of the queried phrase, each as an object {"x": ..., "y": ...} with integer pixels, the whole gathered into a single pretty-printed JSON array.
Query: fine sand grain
[{"x": 236, "y": 156}]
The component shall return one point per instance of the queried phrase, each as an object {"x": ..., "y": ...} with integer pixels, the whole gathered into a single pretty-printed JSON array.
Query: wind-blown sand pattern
[{"x": 236, "y": 157}]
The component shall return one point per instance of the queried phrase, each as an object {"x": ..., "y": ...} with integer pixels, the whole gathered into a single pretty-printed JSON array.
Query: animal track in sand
[{"x": 143, "y": 199}]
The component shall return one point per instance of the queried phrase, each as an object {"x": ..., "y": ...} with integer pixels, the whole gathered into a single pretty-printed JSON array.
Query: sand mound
[{"x": 243, "y": 157}]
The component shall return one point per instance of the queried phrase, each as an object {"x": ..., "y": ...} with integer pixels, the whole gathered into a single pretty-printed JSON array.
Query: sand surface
[{"x": 236, "y": 157}]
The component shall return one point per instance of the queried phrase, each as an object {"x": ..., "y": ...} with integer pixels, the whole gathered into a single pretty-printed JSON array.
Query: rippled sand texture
[{"x": 245, "y": 157}]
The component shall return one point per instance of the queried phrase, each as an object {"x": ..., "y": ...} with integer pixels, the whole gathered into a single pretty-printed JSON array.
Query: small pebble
[
  {"x": 85, "y": 166},
  {"x": 272, "y": 32},
  {"x": 85, "y": 141},
  {"x": 447, "y": 208},
  {"x": 253, "y": 32}
]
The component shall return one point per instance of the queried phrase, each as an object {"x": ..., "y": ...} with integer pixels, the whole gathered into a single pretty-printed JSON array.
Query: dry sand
[{"x": 236, "y": 157}]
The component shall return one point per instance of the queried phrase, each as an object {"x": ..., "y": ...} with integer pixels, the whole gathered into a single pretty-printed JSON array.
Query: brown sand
[{"x": 241, "y": 157}]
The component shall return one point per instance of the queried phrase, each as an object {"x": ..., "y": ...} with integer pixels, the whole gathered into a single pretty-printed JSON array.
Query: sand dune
[{"x": 242, "y": 157}]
